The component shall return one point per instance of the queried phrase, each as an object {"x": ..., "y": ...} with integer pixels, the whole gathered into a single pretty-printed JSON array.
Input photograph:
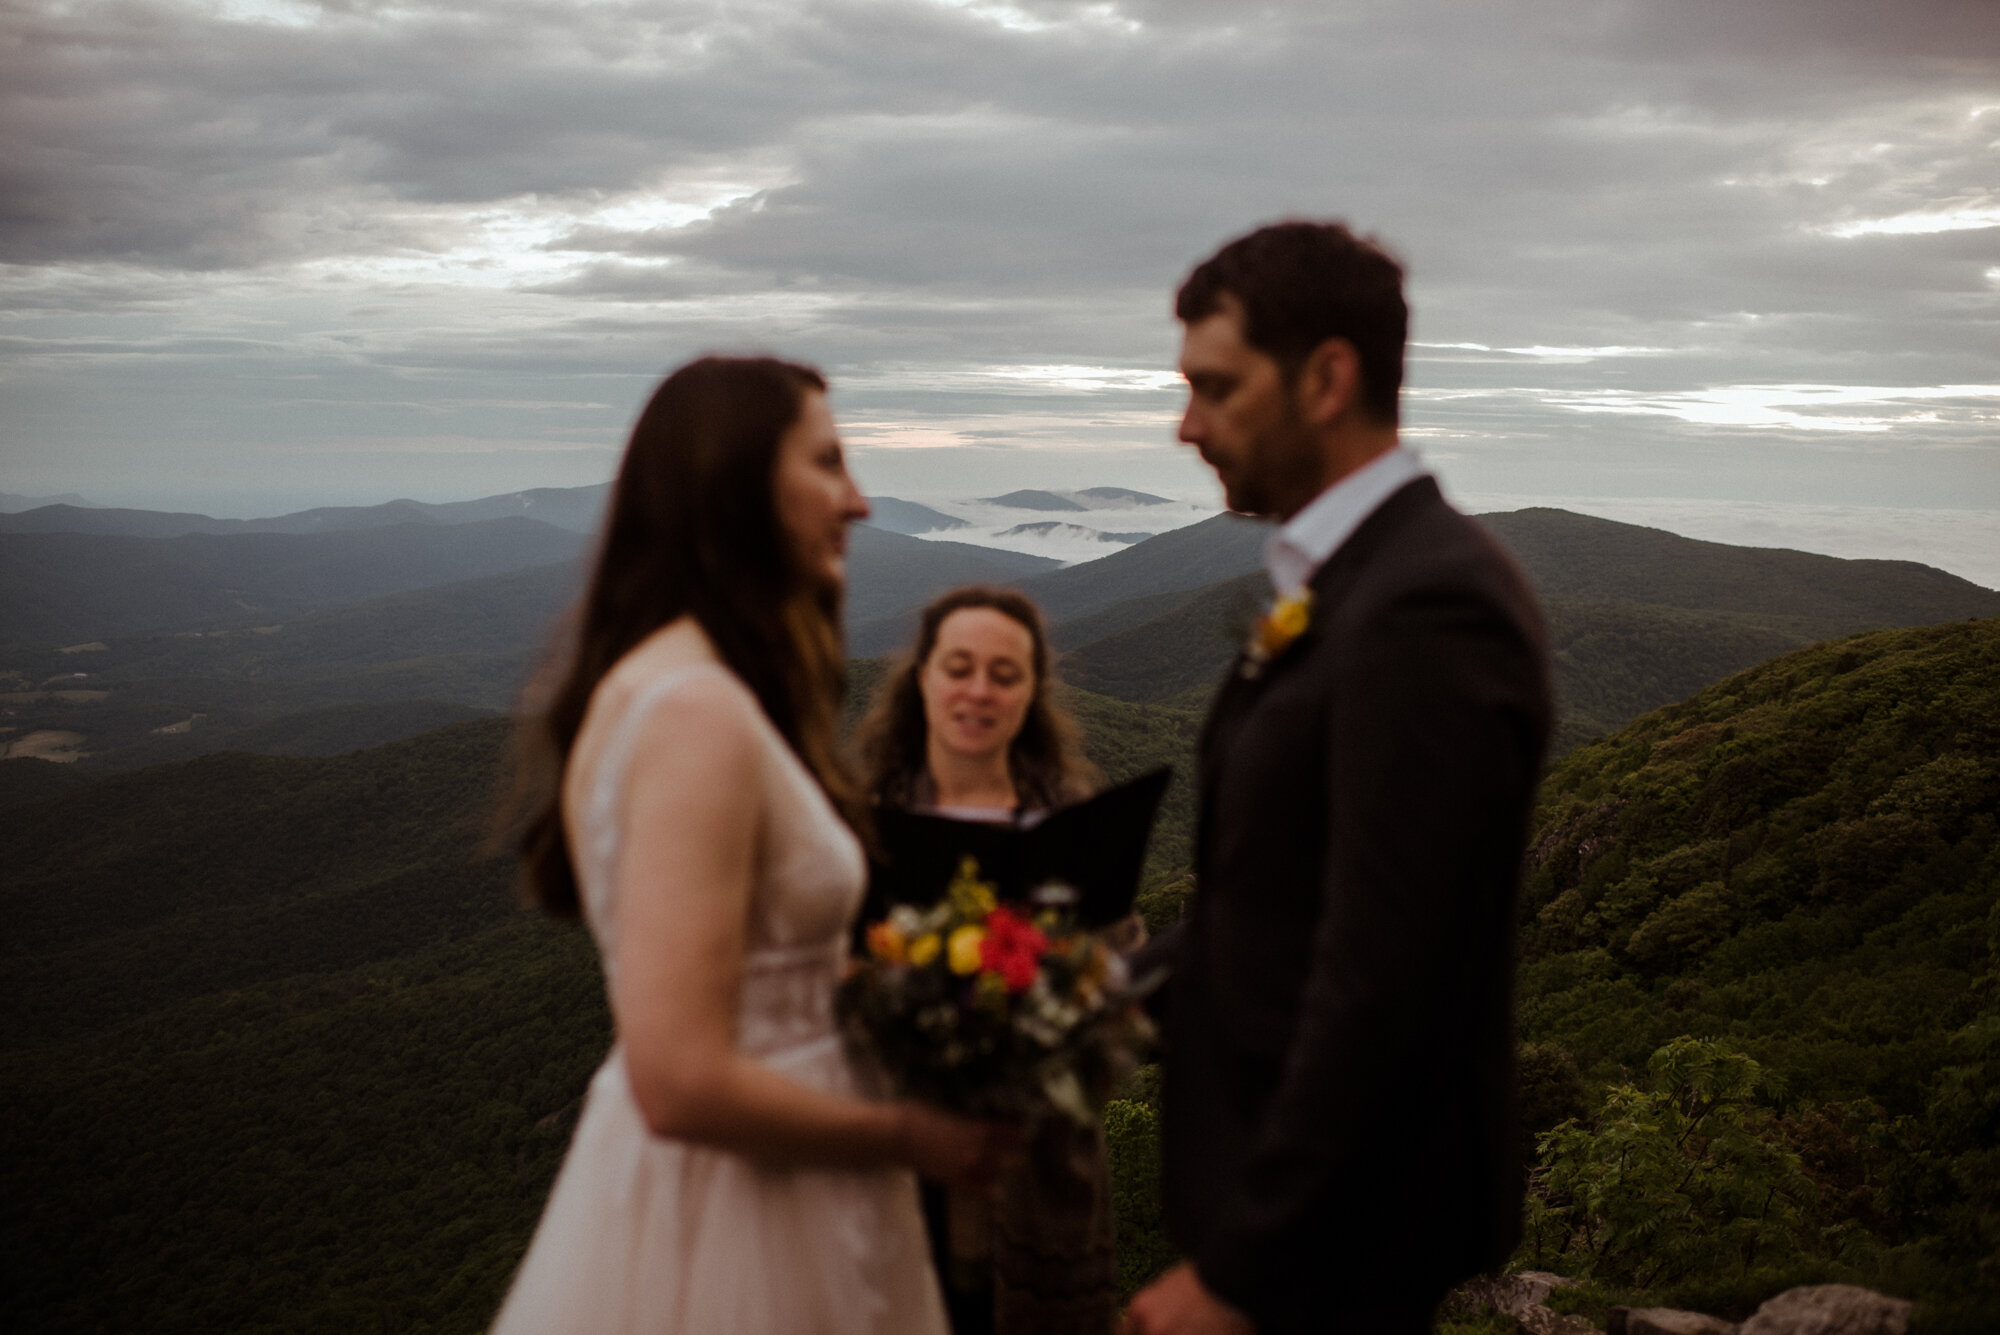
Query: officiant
[{"x": 967, "y": 727}]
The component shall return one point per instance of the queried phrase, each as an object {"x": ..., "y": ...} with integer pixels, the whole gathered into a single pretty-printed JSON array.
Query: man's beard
[{"x": 1281, "y": 470}]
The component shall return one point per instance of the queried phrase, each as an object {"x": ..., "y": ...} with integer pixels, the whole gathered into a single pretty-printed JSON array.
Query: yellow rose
[
  {"x": 1290, "y": 617},
  {"x": 964, "y": 949},
  {"x": 925, "y": 949}
]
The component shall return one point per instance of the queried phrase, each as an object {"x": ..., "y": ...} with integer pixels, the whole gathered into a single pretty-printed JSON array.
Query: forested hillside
[
  {"x": 1805, "y": 855},
  {"x": 1638, "y": 618},
  {"x": 1798, "y": 870},
  {"x": 284, "y": 1056}
]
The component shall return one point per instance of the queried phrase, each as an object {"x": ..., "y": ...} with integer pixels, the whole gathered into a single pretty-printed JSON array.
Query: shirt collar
[{"x": 1310, "y": 537}]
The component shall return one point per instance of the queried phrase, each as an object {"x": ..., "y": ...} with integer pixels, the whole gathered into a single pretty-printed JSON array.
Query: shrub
[
  {"x": 1132, "y": 1138},
  {"x": 1685, "y": 1178}
]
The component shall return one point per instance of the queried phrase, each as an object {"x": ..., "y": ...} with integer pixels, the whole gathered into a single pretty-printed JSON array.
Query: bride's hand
[{"x": 958, "y": 1151}]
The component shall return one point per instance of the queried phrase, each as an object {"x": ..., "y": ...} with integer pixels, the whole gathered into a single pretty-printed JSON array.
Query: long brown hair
[
  {"x": 691, "y": 530},
  {"x": 1045, "y": 759}
]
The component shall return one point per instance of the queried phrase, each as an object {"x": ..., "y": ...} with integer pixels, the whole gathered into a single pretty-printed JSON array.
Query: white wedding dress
[{"x": 643, "y": 1234}]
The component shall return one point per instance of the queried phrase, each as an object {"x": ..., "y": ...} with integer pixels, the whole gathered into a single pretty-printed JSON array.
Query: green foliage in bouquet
[{"x": 981, "y": 1007}]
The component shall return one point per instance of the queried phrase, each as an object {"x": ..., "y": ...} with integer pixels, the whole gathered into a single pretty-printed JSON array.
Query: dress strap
[{"x": 601, "y": 805}]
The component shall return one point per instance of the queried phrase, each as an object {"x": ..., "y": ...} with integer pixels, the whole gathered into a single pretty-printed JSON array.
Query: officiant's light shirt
[{"x": 1314, "y": 534}]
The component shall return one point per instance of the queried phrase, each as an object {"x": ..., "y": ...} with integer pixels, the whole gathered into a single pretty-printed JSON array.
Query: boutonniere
[{"x": 1274, "y": 632}]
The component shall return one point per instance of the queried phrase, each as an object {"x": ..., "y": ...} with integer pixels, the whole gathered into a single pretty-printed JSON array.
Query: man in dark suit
[{"x": 1339, "y": 1098}]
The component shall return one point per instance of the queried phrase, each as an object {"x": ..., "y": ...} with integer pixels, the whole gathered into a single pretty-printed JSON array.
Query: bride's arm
[{"x": 687, "y": 855}]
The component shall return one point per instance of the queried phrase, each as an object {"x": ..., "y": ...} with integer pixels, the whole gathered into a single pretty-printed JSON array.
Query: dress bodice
[{"x": 809, "y": 872}]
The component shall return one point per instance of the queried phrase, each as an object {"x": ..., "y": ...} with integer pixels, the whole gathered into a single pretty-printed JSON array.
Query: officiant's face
[
  {"x": 816, "y": 499},
  {"x": 978, "y": 682},
  {"x": 1243, "y": 415}
]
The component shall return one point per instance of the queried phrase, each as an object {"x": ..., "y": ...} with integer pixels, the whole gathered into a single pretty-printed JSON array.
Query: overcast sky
[{"x": 1694, "y": 258}]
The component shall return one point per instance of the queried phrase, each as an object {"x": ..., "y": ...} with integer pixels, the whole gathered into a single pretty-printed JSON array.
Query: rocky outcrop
[
  {"x": 1814, "y": 1309},
  {"x": 1830, "y": 1309},
  {"x": 1523, "y": 1296},
  {"x": 1665, "y": 1321}
]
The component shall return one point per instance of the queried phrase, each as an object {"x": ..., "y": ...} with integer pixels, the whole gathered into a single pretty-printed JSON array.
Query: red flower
[{"x": 1013, "y": 948}]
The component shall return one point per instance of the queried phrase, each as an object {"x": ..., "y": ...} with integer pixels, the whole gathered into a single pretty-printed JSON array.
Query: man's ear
[{"x": 1329, "y": 382}]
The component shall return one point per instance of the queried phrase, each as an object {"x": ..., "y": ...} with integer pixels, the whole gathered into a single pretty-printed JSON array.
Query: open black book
[{"x": 1097, "y": 847}]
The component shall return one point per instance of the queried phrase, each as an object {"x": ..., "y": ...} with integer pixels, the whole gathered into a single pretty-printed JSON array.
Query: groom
[{"x": 1339, "y": 1041}]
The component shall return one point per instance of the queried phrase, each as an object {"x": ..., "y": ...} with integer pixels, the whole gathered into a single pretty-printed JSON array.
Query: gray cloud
[{"x": 401, "y": 223}]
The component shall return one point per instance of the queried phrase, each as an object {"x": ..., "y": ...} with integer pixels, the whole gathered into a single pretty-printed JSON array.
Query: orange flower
[{"x": 885, "y": 943}]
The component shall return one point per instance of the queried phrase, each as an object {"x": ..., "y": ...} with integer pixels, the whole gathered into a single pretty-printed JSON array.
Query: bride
[{"x": 685, "y": 794}]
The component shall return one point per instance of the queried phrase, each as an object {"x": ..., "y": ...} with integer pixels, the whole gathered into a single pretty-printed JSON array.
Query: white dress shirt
[{"x": 1315, "y": 533}]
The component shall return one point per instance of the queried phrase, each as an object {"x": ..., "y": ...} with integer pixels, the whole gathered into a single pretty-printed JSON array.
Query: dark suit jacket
[{"x": 1340, "y": 1126}]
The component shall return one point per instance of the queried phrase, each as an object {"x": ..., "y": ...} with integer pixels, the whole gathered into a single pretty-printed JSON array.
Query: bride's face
[{"x": 815, "y": 498}]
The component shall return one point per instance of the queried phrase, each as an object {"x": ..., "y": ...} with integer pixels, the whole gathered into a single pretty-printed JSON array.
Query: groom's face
[{"x": 1243, "y": 416}]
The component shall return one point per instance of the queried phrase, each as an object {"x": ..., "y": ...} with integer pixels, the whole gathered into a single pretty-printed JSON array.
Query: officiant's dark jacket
[{"x": 1339, "y": 1097}]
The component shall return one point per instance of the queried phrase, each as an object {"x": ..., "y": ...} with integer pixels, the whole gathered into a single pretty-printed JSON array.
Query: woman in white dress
[{"x": 684, "y": 793}]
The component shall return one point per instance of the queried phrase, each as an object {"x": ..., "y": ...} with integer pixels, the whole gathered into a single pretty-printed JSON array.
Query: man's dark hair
[{"x": 1301, "y": 283}]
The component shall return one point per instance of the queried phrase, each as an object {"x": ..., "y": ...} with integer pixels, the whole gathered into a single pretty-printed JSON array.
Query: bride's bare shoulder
[
  {"x": 689, "y": 684},
  {"x": 697, "y": 712}
]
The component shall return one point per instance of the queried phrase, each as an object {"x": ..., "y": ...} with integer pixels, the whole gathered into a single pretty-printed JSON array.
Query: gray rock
[
  {"x": 1524, "y": 1297},
  {"x": 1671, "y": 1321},
  {"x": 1830, "y": 1309}
]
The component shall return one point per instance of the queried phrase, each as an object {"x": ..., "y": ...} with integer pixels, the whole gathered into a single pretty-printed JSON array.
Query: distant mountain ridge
[
  {"x": 574, "y": 508},
  {"x": 889, "y": 572},
  {"x": 457, "y": 613},
  {"x": 1182, "y": 559},
  {"x": 1165, "y": 567},
  {"x": 1570, "y": 555},
  {"x": 1033, "y": 499},
  {"x": 1122, "y": 496},
  {"x": 177, "y": 655},
  {"x": 13, "y": 502},
  {"x": 907, "y": 517},
  {"x": 1056, "y": 526},
  {"x": 58, "y": 588},
  {"x": 1639, "y": 618},
  {"x": 1088, "y": 498}
]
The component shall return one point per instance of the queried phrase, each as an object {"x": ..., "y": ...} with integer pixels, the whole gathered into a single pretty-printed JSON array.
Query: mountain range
[
  {"x": 1638, "y": 618},
  {"x": 13, "y": 502},
  {"x": 573, "y": 508},
  {"x": 137, "y": 650},
  {"x": 283, "y": 1054},
  {"x": 907, "y": 517},
  {"x": 65, "y": 587}
]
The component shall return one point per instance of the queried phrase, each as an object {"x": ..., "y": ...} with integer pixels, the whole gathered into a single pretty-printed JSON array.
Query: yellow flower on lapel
[{"x": 1275, "y": 631}]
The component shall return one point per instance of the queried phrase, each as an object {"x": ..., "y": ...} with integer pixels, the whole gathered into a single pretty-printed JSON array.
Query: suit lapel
[{"x": 1330, "y": 584}]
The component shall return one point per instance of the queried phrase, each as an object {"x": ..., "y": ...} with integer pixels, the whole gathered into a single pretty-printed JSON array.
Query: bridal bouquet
[{"x": 994, "y": 1010}]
